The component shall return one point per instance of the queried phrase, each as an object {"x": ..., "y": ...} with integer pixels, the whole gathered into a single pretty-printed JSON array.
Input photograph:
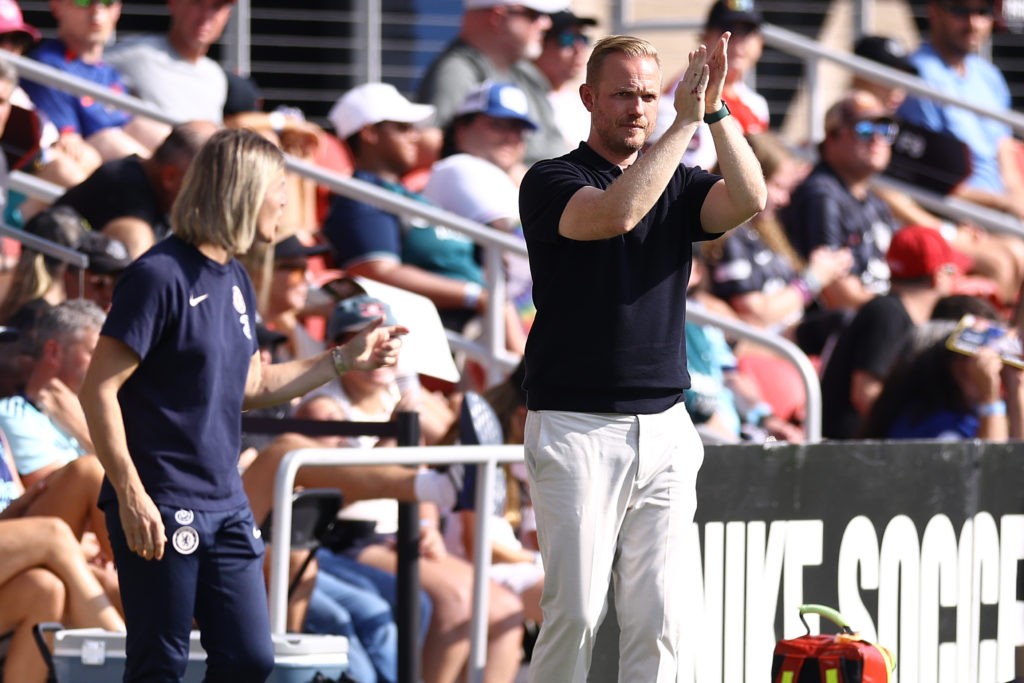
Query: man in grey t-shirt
[
  {"x": 173, "y": 70},
  {"x": 495, "y": 42}
]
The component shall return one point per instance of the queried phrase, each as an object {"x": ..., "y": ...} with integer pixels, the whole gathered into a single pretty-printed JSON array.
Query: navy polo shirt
[{"x": 609, "y": 332}]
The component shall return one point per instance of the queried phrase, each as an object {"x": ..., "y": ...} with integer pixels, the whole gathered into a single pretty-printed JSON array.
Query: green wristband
[{"x": 717, "y": 116}]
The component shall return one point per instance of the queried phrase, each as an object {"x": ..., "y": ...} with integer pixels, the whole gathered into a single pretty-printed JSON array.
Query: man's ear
[
  {"x": 587, "y": 95},
  {"x": 369, "y": 135},
  {"x": 50, "y": 351}
]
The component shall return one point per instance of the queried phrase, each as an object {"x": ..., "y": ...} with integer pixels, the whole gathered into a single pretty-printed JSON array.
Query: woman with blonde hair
[
  {"x": 176, "y": 364},
  {"x": 755, "y": 268}
]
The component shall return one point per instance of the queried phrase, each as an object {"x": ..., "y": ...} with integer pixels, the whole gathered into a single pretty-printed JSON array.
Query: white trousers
[{"x": 614, "y": 497}]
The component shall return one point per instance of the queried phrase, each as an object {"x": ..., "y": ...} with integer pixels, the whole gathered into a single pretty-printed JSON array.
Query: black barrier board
[{"x": 917, "y": 544}]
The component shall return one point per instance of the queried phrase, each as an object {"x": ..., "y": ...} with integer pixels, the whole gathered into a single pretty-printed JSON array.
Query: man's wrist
[
  {"x": 471, "y": 293},
  {"x": 717, "y": 115}
]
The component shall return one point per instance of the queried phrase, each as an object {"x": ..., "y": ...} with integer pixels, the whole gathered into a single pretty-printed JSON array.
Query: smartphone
[{"x": 973, "y": 333}]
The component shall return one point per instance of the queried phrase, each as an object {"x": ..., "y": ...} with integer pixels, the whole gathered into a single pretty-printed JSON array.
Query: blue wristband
[
  {"x": 756, "y": 415},
  {"x": 993, "y": 409}
]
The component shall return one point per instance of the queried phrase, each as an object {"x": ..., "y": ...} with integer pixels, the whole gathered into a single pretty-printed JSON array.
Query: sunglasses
[
  {"x": 964, "y": 12},
  {"x": 867, "y": 130},
  {"x": 86, "y": 4},
  {"x": 572, "y": 39}
]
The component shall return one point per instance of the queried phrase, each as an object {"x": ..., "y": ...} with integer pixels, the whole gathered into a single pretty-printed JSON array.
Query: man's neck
[
  {"x": 188, "y": 51},
  {"x": 955, "y": 60},
  {"x": 623, "y": 161},
  {"x": 378, "y": 169},
  {"x": 856, "y": 184},
  {"x": 918, "y": 302},
  {"x": 86, "y": 51}
]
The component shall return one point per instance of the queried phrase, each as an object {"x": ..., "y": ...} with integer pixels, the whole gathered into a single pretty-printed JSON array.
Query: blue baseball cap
[
  {"x": 500, "y": 100},
  {"x": 355, "y": 313}
]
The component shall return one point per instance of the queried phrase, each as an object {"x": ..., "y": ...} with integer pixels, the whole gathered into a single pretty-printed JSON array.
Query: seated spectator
[
  {"x": 34, "y": 135},
  {"x": 935, "y": 393},
  {"x": 514, "y": 555},
  {"x": 367, "y": 396},
  {"x": 82, "y": 33},
  {"x": 286, "y": 297},
  {"x": 562, "y": 59},
  {"x": 999, "y": 257},
  {"x": 835, "y": 206},
  {"x": 949, "y": 62},
  {"x": 924, "y": 268},
  {"x": 743, "y": 21},
  {"x": 45, "y": 424},
  {"x": 107, "y": 258},
  {"x": 755, "y": 269},
  {"x": 495, "y": 41},
  {"x": 44, "y": 577},
  {"x": 352, "y": 604},
  {"x": 68, "y": 493},
  {"x": 38, "y": 283},
  {"x": 130, "y": 198},
  {"x": 888, "y": 52},
  {"x": 379, "y": 126},
  {"x": 478, "y": 179},
  {"x": 375, "y": 396},
  {"x": 724, "y": 401},
  {"x": 172, "y": 69},
  {"x": 288, "y": 128}
]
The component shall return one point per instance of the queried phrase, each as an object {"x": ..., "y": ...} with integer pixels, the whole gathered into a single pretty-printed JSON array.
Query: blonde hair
[
  {"x": 628, "y": 46},
  {"x": 33, "y": 277},
  {"x": 224, "y": 189},
  {"x": 771, "y": 153}
]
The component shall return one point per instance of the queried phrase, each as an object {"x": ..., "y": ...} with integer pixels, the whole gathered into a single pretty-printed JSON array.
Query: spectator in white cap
[
  {"x": 479, "y": 176},
  {"x": 380, "y": 127},
  {"x": 495, "y": 42}
]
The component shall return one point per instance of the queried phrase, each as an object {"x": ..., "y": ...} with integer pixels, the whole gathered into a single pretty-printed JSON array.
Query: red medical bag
[{"x": 841, "y": 658}]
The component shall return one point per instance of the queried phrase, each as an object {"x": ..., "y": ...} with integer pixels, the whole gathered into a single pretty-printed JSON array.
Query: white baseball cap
[
  {"x": 372, "y": 103},
  {"x": 542, "y": 6}
]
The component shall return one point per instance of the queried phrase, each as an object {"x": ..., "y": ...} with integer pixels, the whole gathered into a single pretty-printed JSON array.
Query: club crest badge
[
  {"x": 184, "y": 516},
  {"x": 185, "y": 540},
  {"x": 256, "y": 533}
]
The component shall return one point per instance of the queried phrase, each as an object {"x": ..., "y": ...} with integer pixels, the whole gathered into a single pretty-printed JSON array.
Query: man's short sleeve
[
  {"x": 543, "y": 195},
  {"x": 360, "y": 232},
  {"x": 813, "y": 219}
]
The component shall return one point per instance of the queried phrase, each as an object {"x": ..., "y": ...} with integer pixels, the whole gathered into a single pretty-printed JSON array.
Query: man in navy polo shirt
[{"x": 611, "y": 452}]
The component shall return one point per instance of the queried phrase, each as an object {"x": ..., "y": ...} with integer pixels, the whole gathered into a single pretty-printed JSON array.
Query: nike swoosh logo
[{"x": 194, "y": 301}]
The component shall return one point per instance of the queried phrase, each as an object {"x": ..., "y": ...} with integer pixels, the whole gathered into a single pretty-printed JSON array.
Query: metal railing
[{"x": 487, "y": 457}]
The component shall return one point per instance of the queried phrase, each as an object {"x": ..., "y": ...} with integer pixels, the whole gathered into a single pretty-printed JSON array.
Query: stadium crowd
[{"x": 868, "y": 283}]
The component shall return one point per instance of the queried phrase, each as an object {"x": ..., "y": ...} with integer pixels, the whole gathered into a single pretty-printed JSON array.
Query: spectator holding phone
[{"x": 935, "y": 393}]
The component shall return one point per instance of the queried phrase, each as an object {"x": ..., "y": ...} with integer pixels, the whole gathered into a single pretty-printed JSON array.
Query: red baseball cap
[{"x": 917, "y": 251}]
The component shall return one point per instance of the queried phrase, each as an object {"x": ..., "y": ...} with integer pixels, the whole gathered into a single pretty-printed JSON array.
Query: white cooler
[{"x": 92, "y": 655}]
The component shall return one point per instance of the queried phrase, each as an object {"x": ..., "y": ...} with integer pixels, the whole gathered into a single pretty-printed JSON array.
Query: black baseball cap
[
  {"x": 107, "y": 256},
  {"x": 728, "y": 13},
  {"x": 291, "y": 247},
  {"x": 560, "y": 21},
  {"x": 885, "y": 51}
]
